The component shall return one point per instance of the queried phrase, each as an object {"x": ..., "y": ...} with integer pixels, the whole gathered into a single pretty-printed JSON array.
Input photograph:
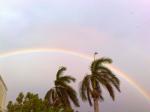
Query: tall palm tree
[
  {"x": 62, "y": 93},
  {"x": 100, "y": 77}
]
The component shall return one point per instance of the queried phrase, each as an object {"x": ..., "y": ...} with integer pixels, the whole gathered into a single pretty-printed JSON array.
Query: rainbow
[{"x": 125, "y": 76}]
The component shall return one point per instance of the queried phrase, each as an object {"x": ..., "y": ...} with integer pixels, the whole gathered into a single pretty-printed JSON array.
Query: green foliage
[
  {"x": 62, "y": 94},
  {"x": 100, "y": 77},
  {"x": 31, "y": 103}
]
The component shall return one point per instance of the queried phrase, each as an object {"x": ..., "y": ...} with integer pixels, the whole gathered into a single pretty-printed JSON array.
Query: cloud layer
[{"x": 118, "y": 29}]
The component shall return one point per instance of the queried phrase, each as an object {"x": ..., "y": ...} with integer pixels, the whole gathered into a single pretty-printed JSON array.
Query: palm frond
[
  {"x": 108, "y": 86},
  {"x": 104, "y": 60},
  {"x": 66, "y": 92},
  {"x": 73, "y": 96},
  {"x": 51, "y": 96},
  {"x": 67, "y": 79},
  {"x": 60, "y": 72},
  {"x": 89, "y": 96},
  {"x": 115, "y": 82},
  {"x": 98, "y": 62},
  {"x": 103, "y": 69},
  {"x": 110, "y": 90},
  {"x": 85, "y": 85},
  {"x": 108, "y": 74}
]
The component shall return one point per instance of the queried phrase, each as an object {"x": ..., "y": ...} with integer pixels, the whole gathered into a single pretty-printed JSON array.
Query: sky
[{"x": 118, "y": 29}]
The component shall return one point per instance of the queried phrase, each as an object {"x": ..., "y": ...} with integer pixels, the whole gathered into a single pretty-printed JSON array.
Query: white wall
[{"x": 3, "y": 91}]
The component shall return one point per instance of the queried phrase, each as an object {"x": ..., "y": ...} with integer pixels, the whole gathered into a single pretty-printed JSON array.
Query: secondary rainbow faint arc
[{"x": 113, "y": 68}]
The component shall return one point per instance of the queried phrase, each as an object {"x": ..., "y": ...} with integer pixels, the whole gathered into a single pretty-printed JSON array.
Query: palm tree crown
[
  {"x": 62, "y": 93},
  {"x": 100, "y": 76}
]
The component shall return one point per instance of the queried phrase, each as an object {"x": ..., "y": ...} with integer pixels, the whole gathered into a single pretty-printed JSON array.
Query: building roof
[{"x": 3, "y": 83}]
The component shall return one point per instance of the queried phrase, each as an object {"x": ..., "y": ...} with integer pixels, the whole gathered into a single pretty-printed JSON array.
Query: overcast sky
[{"x": 118, "y": 29}]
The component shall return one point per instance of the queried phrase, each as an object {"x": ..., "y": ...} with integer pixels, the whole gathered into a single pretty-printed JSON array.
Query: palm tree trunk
[{"x": 96, "y": 105}]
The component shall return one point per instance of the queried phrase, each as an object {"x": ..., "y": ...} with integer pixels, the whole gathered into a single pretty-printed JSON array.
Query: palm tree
[
  {"x": 62, "y": 93},
  {"x": 100, "y": 76}
]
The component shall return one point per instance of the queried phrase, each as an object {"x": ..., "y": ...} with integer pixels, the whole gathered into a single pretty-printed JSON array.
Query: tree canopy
[{"x": 31, "y": 103}]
